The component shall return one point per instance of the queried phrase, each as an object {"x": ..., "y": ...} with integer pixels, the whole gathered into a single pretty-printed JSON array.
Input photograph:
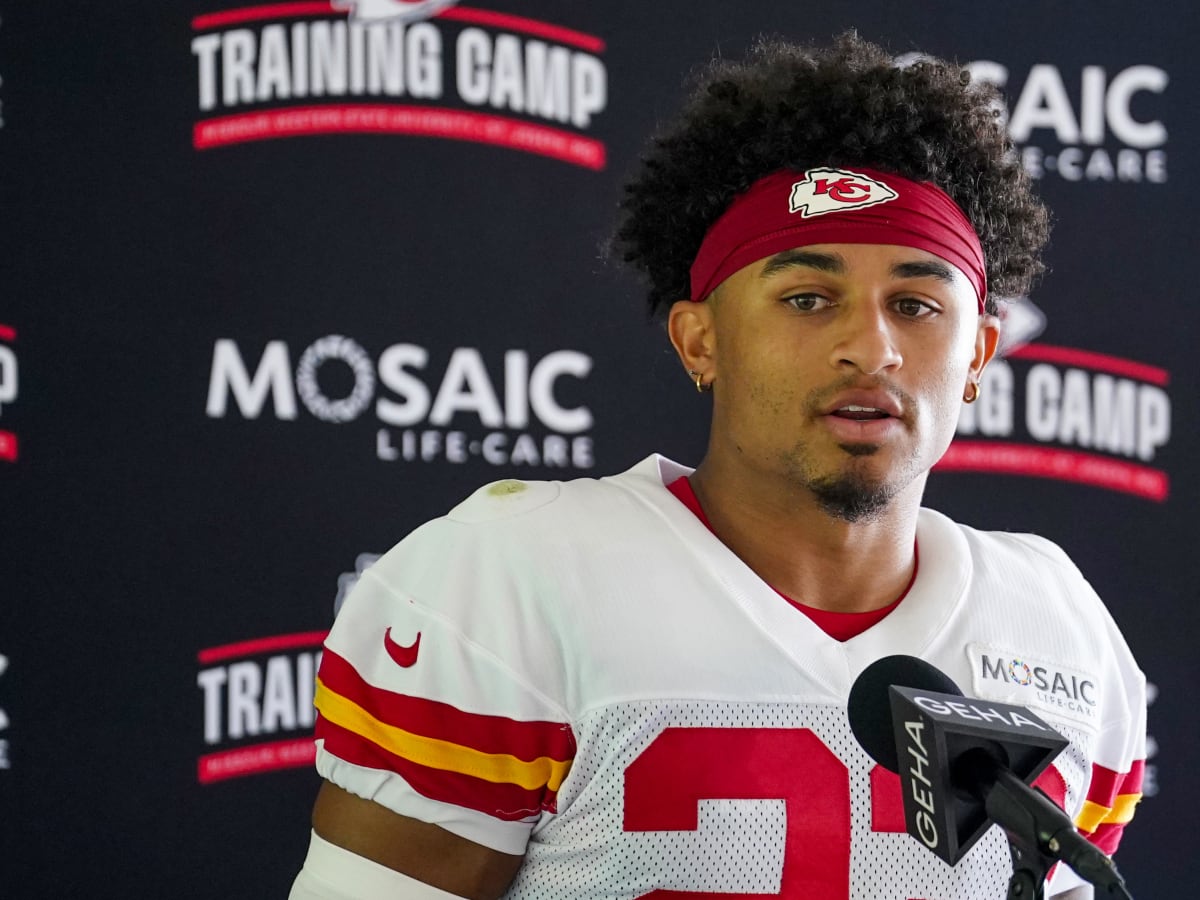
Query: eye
[
  {"x": 807, "y": 302},
  {"x": 912, "y": 308}
]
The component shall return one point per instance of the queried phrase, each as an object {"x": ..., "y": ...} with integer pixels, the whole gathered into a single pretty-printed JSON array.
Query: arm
[
  {"x": 429, "y": 854},
  {"x": 458, "y": 753}
]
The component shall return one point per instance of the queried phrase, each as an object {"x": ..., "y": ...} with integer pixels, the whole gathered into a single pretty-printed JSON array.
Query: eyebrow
[
  {"x": 924, "y": 269},
  {"x": 836, "y": 265},
  {"x": 788, "y": 259}
]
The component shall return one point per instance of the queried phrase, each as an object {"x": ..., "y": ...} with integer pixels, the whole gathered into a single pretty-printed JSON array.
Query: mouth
[
  {"x": 871, "y": 417},
  {"x": 856, "y": 413}
]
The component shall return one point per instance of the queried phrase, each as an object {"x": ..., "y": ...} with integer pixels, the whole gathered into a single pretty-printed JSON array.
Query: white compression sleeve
[{"x": 333, "y": 873}]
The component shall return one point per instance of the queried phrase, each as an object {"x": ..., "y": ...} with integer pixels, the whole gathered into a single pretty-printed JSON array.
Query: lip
[
  {"x": 864, "y": 431},
  {"x": 880, "y": 400}
]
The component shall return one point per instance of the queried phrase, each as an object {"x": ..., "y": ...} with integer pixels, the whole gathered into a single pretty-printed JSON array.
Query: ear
[
  {"x": 987, "y": 339},
  {"x": 690, "y": 327}
]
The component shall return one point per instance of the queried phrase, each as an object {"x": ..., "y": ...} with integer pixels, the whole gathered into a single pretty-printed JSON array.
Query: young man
[{"x": 635, "y": 686}]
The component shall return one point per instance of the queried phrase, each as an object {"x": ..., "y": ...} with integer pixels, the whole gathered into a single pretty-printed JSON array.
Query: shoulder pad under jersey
[{"x": 502, "y": 499}]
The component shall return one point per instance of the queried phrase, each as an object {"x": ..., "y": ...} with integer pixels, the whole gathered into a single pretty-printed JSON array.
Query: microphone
[{"x": 964, "y": 764}]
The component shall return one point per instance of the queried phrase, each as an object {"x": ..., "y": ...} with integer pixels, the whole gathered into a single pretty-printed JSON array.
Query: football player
[{"x": 635, "y": 686}]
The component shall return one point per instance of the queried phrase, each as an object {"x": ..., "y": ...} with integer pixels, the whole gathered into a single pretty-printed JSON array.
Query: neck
[{"x": 782, "y": 533}]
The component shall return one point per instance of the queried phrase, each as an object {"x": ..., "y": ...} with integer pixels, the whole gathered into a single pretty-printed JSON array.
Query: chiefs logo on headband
[
  {"x": 836, "y": 190},
  {"x": 757, "y": 223}
]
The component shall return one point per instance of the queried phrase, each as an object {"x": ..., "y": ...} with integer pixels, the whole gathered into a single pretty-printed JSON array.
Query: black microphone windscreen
[{"x": 870, "y": 703}]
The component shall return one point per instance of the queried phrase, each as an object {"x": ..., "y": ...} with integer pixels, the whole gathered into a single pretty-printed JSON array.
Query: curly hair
[{"x": 791, "y": 106}]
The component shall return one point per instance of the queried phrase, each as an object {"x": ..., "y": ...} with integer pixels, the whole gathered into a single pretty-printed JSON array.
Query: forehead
[
  {"x": 890, "y": 266},
  {"x": 895, "y": 261}
]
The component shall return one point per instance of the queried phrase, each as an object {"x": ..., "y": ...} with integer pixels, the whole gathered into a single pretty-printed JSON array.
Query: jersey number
[{"x": 664, "y": 785}]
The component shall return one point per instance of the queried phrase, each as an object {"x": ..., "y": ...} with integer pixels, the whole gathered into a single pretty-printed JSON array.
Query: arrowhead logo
[
  {"x": 401, "y": 655},
  {"x": 384, "y": 10},
  {"x": 1021, "y": 322},
  {"x": 828, "y": 190}
]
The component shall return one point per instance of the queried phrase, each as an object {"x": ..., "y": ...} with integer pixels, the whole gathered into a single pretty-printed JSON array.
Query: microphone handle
[{"x": 1033, "y": 818}]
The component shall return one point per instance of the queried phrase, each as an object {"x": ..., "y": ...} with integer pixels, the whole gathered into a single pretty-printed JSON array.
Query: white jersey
[{"x": 581, "y": 672}]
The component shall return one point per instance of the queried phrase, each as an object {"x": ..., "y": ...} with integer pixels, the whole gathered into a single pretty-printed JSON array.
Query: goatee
[{"x": 851, "y": 497}]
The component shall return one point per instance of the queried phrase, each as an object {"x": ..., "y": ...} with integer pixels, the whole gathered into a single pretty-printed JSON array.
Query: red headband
[{"x": 836, "y": 206}]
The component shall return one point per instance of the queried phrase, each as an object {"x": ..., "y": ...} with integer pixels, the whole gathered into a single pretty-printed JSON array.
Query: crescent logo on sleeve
[{"x": 401, "y": 655}]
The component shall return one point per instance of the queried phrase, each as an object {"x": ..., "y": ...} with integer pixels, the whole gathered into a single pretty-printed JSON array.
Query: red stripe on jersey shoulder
[
  {"x": 434, "y": 719},
  {"x": 1107, "y": 784},
  {"x": 1107, "y": 837},
  {"x": 1052, "y": 782},
  {"x": 505, "y": 801}
]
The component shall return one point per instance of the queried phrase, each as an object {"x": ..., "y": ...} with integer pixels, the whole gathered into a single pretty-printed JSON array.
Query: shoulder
[
  {"x": 1024, "y": 582},
  {"x": 1017, "y": 580},
  {"x": 1004, "y": 554},
  {"x": 508, "y": 529},
  {"x": 538, "y": 502},
  {"x": 1029, "y": 607}
]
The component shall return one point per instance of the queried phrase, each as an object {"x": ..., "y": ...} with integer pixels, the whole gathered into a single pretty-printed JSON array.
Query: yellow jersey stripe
[
  {"x": 1122, "y": 810},
  {"x": 1091, "y": 816},
  {"x": 499, "y": 768}
]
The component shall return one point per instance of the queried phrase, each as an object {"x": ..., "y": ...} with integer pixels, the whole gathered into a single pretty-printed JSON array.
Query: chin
[{"x": 853, "y": 498}]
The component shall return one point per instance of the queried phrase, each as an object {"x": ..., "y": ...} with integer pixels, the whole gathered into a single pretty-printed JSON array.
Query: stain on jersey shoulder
[{"x": 502, "y": 499}]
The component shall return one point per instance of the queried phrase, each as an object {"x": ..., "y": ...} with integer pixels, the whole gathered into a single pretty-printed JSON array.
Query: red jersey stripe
[
  {"x": 505, "y": 801},
  {"x": 1052, "y": 782},
  {"x": 488, "y": 734},
  {"x": 1104, "y": 784},
  {"x": 1107, "y": 837},
  {"x": 1107, "y": 784}
]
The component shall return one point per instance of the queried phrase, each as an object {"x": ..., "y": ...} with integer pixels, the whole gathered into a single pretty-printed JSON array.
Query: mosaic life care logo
[
  {"x": 431, "y": 69},
  {"x": 258, "y": 705},
  {"x": 8, "y": 390},
  {"x": 1095, "y": 123},
  {"x": 1046, "y": 411},
  {"x": 506, "y": 408},
  {"x": 1037, "y": 683}
]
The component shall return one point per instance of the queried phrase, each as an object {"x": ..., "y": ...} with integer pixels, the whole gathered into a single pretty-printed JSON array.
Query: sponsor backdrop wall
[{"x": 282, "y": 281}]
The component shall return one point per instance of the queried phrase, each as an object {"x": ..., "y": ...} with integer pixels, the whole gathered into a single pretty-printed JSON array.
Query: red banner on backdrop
[
  {"x": 8, "y": 446},
  {"x": 272, "y": 644},
  {"x": 289, "y": 754},
  {"x": 485, "y": 17},
  {"x": 412, "y": 120},
  {"x": 1063, "y": 465}
]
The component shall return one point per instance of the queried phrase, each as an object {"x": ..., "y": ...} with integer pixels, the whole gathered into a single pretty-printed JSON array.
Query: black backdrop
[{"x": 178, "y": 507}]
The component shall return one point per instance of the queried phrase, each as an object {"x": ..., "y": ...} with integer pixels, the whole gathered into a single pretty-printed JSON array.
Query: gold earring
[
  {"x": 701, "y": 387},
  {"x": 974, "y": 385}
]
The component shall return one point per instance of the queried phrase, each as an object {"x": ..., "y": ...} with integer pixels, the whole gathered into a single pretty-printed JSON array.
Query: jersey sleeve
[
  {"x": 1114, "y": 781},
  {"x": 1115, "y": 786},
  {"x": 430, "y": 698}
]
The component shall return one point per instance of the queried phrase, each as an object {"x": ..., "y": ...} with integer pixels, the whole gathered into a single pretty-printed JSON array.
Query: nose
[{"x": 864, "y": 340}]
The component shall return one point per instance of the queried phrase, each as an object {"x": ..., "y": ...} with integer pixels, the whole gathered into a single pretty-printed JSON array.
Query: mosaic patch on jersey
[{"x": 1037, "y": 683}]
